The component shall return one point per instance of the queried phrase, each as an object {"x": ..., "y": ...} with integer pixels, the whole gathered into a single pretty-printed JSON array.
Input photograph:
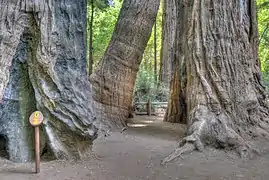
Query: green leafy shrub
[{"x": 146, "y": 88}]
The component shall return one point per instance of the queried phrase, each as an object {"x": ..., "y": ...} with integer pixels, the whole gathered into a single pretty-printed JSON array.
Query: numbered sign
[{"x": 36, "y": 118}]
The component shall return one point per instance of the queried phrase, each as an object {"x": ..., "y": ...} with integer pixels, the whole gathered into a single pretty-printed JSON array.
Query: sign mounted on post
[{"x": 36, "y": 120}]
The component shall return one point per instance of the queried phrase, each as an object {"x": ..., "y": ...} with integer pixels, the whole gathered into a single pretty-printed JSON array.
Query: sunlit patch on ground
[{"x": 136, "y": 125}]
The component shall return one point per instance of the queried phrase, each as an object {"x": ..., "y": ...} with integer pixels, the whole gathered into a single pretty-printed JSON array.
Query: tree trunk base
[
  {"x": 220, "y": 132},
  {"x": 219, "y": 76},
  {"x": 110, "y": 117},
  {"x": 42, "y": 58}
]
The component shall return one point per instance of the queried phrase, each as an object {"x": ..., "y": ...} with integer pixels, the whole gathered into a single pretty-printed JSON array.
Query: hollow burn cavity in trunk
[
  {"x": 16, "y": 134},
  {"x": 3, "y": 146}
]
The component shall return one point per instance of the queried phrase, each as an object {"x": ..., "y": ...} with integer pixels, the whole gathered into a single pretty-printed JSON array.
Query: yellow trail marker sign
[{"x": 35, "y": 120}]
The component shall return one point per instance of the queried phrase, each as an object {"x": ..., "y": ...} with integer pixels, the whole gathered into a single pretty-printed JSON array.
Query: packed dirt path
[{"x": 136, "y": 153}]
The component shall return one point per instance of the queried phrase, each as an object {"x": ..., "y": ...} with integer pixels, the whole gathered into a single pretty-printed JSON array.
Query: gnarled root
[
  {"x": 187, "y": 148},
  {"x": 217, "y": 131},
  {"x": 246, "y": 151}
]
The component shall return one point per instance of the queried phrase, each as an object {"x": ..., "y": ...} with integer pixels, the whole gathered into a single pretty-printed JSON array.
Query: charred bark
[
  {"x": 176, "y": 109},
  {"x": 47, "y": 39},
  {"x": 113, "y": 80},
  {"x": 224, "y": 98}
]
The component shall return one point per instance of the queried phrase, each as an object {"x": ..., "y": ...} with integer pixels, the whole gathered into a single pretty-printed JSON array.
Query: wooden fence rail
[{"x": 148, "y": 105}]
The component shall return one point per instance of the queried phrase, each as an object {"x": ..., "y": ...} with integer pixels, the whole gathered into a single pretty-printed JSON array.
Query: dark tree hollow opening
[
  {"x": 19, "y": 102},
  {"x": 3, "y": 146}
]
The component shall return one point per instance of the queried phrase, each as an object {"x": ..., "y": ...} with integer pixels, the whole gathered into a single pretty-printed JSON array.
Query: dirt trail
[{"x": 136, "y": 153}]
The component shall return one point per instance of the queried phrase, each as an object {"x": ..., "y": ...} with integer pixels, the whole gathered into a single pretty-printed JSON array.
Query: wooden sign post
[{"x": 36, "y": 120}]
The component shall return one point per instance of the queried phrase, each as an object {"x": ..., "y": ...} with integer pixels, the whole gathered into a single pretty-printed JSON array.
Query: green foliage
[
  {"x": 148, "y": 57},
  {"x": 263, "y": 22},
  {"x": 105, "y": 18},
  {"x": 147, "y": 89},
  {"x": 101, "y": 4}
]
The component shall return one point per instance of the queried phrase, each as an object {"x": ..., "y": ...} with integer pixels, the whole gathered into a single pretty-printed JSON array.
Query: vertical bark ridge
[{"x": 9, "y": 39}]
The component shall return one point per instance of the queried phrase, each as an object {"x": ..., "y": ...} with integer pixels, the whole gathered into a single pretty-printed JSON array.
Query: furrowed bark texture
[
  {"x": 168, "y": 40},
  {"x": 113, "y": 80},
  {"x": 43, "y": 42},
  {"x": 225, "y": 100},
  {"x": 176, "y": 109}
]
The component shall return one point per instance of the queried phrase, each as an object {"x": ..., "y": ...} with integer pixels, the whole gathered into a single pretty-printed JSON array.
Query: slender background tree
[
  {"x": 168, "y": 39},
  {"x": 102, "y": 5}
]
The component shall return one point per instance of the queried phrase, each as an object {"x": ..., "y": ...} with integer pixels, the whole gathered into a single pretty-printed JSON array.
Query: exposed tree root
[
  {"x": 94, "y": 155},
  {"x": 243, "y": 149},
  {"x": 223, "y": 97},
  {"x": 213, "y": 130},
  {"x": 187, "y": 148}
]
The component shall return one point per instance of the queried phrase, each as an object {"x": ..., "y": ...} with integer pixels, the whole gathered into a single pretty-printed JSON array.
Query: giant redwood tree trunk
[
  {"x": 168, "y": 40},
  {"x": 220, "y": 76},
  {"x": 113, "y": 80},
  {"x": 43, "y": 67}
]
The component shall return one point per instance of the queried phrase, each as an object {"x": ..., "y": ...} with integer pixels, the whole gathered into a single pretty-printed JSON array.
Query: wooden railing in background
[{"x": 149, "y": 105}]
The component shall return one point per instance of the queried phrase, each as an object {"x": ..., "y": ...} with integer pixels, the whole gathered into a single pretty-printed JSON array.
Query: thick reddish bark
[
  {"x": 113, "y": 80},
  {"x": 224, "y": 98}
]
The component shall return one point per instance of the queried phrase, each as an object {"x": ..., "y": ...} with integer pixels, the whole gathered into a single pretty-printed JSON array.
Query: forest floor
[{"x": 136, "y": 153}]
